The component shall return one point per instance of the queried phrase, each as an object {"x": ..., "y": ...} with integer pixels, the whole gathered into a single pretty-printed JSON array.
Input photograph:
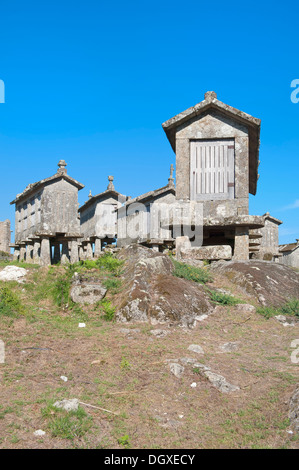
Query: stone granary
[
  {"x": 139, "y": 220},
  {"x": 217, "y": 159},
  {"x": 47, "y": 226},
  {"x": 98, "y": 221},
  {"x": 5, "y": 235},
  {"x": 290, "y": 254},
  {"x": 263, "y": 242}
]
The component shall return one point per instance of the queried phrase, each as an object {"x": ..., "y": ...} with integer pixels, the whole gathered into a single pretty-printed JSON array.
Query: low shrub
[{"x": 291, "y": 307}]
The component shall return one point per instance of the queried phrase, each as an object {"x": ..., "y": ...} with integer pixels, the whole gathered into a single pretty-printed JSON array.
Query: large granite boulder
[
  {"x": 152, "y": 294},
  {"x": 272, "y": 284}
]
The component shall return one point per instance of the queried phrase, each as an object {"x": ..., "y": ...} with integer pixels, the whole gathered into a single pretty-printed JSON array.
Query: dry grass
[{"x": 128, "y": 374}]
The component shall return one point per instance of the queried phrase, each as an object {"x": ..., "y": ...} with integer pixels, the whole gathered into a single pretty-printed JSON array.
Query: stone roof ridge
[
  {"x": 270, "y": 217},
  {"x": 153, "y": 193},
  {"x": 61, "y": 173},
  {"x": 209, "y": 101}
]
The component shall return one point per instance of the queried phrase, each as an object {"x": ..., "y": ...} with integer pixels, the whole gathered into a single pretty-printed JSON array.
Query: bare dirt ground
[{"x": 127, "y": 373}]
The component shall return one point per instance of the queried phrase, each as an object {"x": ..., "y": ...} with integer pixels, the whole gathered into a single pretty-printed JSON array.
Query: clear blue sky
[{"x": 91, "y": 82}]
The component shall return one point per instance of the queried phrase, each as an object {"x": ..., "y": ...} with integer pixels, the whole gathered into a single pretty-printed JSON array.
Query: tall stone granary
[{"x": 47, "y": 226}]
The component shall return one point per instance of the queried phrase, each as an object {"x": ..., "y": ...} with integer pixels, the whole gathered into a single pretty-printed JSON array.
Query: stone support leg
[
  {"x": 89, "y": 253},
  {"x": 241, "y": 249},
  {"x": 22, "y": 252},
  {"x": 97, "y": 247},
  {"x": 65, "y": 258},
  {"x": 74, "y": 252},
  {"x": 16, "y": 254},
  {"x": 36, "y": 252},
  {"x": 45, "y": 253},
  {"x": 29, "y": 253}
]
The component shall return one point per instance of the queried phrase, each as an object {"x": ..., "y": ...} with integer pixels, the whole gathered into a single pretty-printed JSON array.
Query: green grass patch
[
  {"x": 290, "y": 308},
  {"x": 10, "y": 304},
  {"x": 106, "y": 262},
  {"x": 222, "y": 298},
  {"x": 112, "y": 284},
  {"x": 67, "y": 425},
  {"x": 191, "y": 273}
]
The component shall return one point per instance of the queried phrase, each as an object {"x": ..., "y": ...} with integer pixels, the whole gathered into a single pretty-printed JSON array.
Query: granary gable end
[{"x": 208, "y": 130}]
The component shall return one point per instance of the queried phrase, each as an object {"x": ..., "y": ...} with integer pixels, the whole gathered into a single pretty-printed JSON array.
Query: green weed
[
  {"x": 223, "y": 299},
  {"x": 10, "y": 304},
  {"x": 190, "y": 273},
  {"x": 291, "y": 308},
  {"x": 109, "y": 311}
]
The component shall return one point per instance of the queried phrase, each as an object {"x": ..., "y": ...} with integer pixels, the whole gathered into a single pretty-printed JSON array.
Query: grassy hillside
[{"x": 124, "y": 369}]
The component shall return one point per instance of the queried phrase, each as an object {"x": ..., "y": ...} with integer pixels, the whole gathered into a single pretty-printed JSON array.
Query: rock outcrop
[
  {"x": 13, "y": 273},
  {"x": 87, "y": 291},
  {"x": 272, "y": 284},
  {"x": 152, "y": 294}
]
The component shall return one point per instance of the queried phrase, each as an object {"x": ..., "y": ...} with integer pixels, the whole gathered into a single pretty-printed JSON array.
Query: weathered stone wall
[
  {"x": 60, "y": 208},
  {"x": 28, "y": 216},
  {"x": 213, "y": 125},
  {"x": 5, "y": 236},
  {"x": 143, "y": 221},
  {"x": 99, "y": 218},
  {"x": 291, "y": 258}
]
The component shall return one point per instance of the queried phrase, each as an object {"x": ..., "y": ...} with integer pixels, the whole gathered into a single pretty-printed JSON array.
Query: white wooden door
[{"x": 212, "y": 169}]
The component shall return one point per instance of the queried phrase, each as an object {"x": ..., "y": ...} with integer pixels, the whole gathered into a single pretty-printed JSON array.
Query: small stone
[
  {"x": 246, "y": 308},
  {"x": 64, "y": 378},
  {"x": 39, "y": 432},
  {"x": 201, "y": 317},
  {"x": 159, "y": 333},
  {"x": 193, "y": 385},
  {"x": 81, "y": 325},
  {"x": 67, "y": 405},
  {"x": 196, "y": 348},
  {"x": 176, "y": 369},
  {"x": 280, "y": 318},
  {"x": 219, "y": 382},
  {"x": 228, "y": 347}
]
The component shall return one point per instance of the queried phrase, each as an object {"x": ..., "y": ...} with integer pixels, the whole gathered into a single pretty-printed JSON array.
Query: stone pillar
[
  {"x": 22, "y": 252},
  {"x": 241, "y": 249},
  {"x": 36, "y": 252},
  {"x": 89, "y": 253},
  {"x": 65, "y": 253},
  {"x": 74, "y": 251},
  {"x": 16, "y": 253},
  {"x": 45, "y": 253},
  {"x": 155, "y": 247},
  {"x": 56, "y": 257},
  {"x": 97, "y": 247},
  {"x": 81, "y": 253},
  {"x": 29, "y": 252}
]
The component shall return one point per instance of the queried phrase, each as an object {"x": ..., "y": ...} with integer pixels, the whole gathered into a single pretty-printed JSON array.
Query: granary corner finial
[
  {"x": 89, "y": 195},
  {"x": 110, "y": 185},
  {"x": 210, "y": 95},
  {"x": 62, "y": 166},
  {"x": 171, "y": 178}
]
